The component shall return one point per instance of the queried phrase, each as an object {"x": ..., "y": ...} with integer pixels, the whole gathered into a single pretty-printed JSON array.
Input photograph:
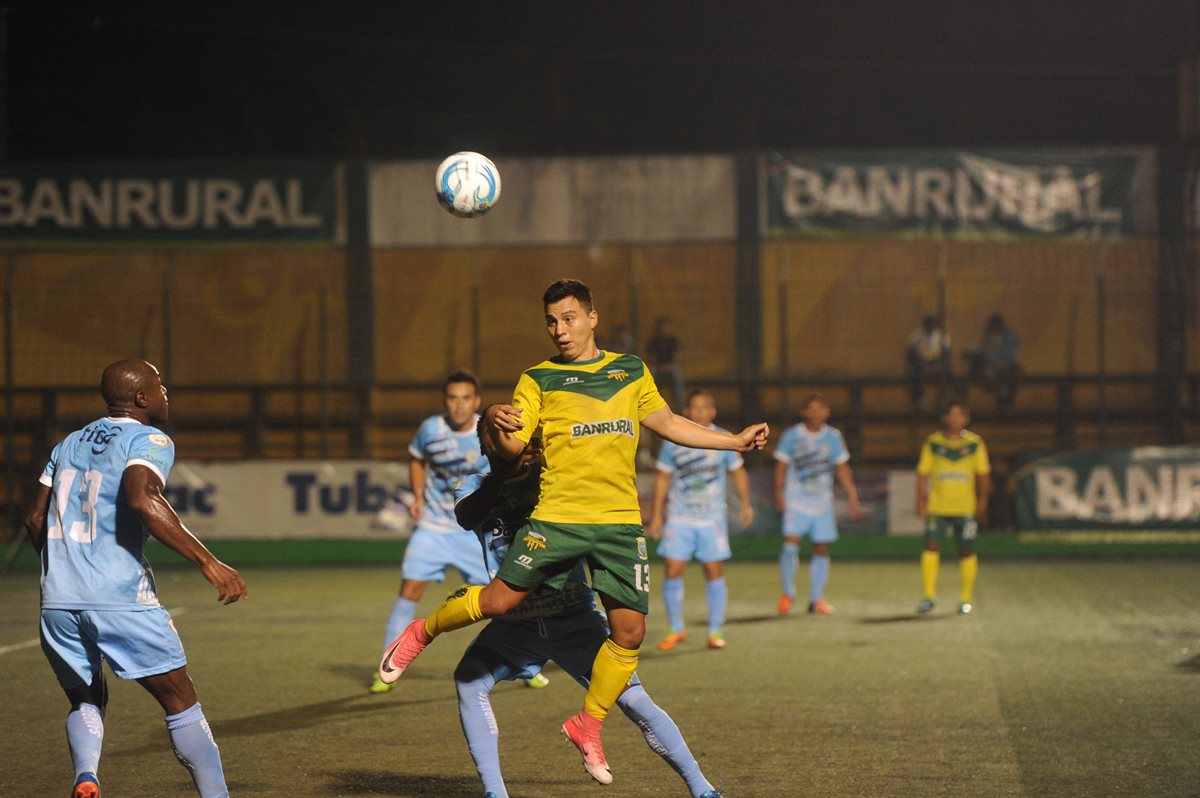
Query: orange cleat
[
  {"x": 671, "y": 640},
  {"x": 820, "y": 607},
  {"x": 86, "y": 786},
  {"x": 785, "y": 604},
  {"x": 716, "y": 640}
]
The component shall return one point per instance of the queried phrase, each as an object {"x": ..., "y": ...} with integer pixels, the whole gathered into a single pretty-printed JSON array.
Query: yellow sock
[
  {"x": 929, "y": 571},
  {"x": 968, "y": 567},
  {"x": 461, "y": 608},
  {"x": 611, "y": 671}
]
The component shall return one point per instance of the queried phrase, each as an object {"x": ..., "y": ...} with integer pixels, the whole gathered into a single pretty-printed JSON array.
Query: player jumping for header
[{"x": 590, "y": 405}]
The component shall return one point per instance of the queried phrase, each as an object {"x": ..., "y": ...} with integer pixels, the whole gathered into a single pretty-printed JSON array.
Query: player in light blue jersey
[
  {"x": 808, "y": 457},
  {"x": 444, "y": 451},
  {"x": 691, "y": 487},
  {"x": 551, "y": 624},
  {"x": 97, "y": 500}
]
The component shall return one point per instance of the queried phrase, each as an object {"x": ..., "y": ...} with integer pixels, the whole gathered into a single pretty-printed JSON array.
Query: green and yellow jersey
[
  {"x": 952, "y": 465},
  {"x": 590, "y": 414}
]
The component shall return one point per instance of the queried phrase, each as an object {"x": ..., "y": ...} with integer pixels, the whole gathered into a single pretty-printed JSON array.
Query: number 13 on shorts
[{"x": 641, "y": 576}]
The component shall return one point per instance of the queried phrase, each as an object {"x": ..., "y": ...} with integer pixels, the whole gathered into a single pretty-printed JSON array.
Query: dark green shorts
[
  {"x": 964, "y": 527},
  {"x": 543, "y": 553}
]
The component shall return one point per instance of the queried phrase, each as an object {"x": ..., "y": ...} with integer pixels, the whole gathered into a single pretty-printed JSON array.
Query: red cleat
[
  {"x": 403, "y": 650},
  {"x": 583, "y": 731}
]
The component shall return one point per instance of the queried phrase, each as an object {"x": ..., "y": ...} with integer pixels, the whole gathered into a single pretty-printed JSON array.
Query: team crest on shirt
[
  {"x": 618, "y": 374},
  {"x": 159, "y": 440},
  {"x": 534, "y": 540},
  {"x": 641, "y": 543}
]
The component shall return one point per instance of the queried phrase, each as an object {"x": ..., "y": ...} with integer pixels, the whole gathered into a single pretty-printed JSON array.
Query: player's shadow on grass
[
  {"x": 1191, "y": 665},
  {"x": 420, "y": 785},
  {"x": 375, "y": 782},
  {"x": 903, "y": 618},
  {"x": 754, "y": 619},
  {"x": 302, "y": 716}
]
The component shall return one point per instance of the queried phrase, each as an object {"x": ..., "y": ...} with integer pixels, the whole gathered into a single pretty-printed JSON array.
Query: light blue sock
[
  {"x": 474, "y": 684},
  {"x": 717, "y": 594},
  {"x": 818, "y": 575},
  {"x": 85, "y": 735},
  {"x": 789, "y": 562},
  {"x": 197, "y": 751},
  {"x": 663, "y": 736},
  {"x": 673, "y": 598},
  {"x": 402, "y": 615}
]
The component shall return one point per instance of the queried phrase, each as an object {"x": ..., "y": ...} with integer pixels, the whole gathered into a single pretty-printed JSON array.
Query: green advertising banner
[
  {"x": 1151, "y": 487},
  {"x": 167, "y": 203},
  {"x": 950, "y": 192}
]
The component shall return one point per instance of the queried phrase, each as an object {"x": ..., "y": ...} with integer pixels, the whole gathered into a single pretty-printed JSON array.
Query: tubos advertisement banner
[
  {"x": 291, "y": 499},
  {"x": 89, "y": 203},
  {"x": 1150, "y": 487},
  {"x": 959, "y": 193}
]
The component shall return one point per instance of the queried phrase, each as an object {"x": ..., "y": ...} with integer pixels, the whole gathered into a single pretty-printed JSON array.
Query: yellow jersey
[
  {"x": 952, "y": 465},
  {"x": 590, "y": 414}
]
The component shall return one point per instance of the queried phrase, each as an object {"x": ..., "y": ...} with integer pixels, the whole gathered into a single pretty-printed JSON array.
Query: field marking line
[{"x": 24, "y": 644}]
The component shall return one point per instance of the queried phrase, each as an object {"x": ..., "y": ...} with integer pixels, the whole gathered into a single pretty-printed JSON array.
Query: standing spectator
[
  {"x": 662, "y": 350},
  {"x": 994, "y": 361},
  {"x": 621, "y": 340},
  {"x": 927, "y": 358}
]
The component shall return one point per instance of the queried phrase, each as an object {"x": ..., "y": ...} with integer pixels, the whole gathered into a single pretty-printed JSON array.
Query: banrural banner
[
  {"x": 291, "y": 499},
  {"x": 1150, "y": 487},
  {"x": 80, "y": 203},
  {"x": 957, "y": 193}
]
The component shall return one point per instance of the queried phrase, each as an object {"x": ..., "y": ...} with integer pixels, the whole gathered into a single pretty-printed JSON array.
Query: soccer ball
[{"x": 468, "y": 184}]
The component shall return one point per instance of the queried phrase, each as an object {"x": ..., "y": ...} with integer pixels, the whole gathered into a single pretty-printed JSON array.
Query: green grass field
[{"x": 1073, "y": 678}]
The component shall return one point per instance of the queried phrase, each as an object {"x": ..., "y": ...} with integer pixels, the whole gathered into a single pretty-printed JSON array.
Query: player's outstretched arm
[
  {"x": 677, "y": 429},
  {"x": 143, "y": 491},
  {"x": 35, "y": 515},
  {"x": 658, "y": 504}
]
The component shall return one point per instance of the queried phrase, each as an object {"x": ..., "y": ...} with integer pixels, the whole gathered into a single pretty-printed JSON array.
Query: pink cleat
[
  {"x": 403, "y": 650},
  {"x": 583, "y": 731}
]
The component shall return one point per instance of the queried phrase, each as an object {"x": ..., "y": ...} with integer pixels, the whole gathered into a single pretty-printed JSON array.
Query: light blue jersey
[
  {"x": 93, "y": 559},
  {"x": 448, "y": 456},
  {"x": 698, "y": 482},
  {"x": 811, "y": 458}
]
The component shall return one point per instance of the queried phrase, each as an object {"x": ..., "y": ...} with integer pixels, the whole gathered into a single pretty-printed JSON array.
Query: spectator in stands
[
  {"x": 927, "y": 359},
  {"x": 994, "y": 361},
  {"x": 621, "y": 340},
  {"x": 663, "y": 350}
]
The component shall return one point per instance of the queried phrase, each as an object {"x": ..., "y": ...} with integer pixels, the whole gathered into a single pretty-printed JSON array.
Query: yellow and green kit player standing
[
  {"x": 589, "y": 405},
  {"x": 952, "y": 489}
]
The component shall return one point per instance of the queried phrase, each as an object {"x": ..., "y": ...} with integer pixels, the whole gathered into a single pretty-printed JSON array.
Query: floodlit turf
[{"x": 1072, "y": 678}]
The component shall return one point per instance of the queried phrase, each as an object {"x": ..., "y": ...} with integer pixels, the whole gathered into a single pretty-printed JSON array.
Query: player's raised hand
[
  {"x": 229, "y": 584},
  {"x": 504, "y": 418},
  {"x": 753, "y": 437}
]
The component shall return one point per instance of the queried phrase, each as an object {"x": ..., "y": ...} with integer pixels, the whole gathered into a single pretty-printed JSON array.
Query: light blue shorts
[
  {"x": 136, "y": 643},
  {"x": 518, "y": 648},
  {"x": 704, "y": 542},
  {"x": 819, "y": 528},
  {"x": 429, "y": 554}
]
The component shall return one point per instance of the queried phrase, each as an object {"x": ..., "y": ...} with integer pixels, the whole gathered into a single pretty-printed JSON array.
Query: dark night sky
[{"x": 401, "y": 79}]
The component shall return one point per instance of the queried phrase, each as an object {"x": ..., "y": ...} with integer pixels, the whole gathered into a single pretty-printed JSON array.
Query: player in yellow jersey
[
  {"x": 590, "y": 406},
  {"x": 952, "y": 488}
]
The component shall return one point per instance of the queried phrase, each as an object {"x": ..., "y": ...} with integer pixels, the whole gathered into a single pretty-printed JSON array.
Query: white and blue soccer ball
[{"x": 468, "y": 184}]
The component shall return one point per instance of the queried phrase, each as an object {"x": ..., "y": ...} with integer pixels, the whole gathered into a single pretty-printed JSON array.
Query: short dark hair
[
  {"x": 953, "y": 403},
  {"x": 694, "y": 392},
  {"x": 462, "y": 375},
  {"x": 814, "y": 397},
  {"x": 564, "y": 288}
]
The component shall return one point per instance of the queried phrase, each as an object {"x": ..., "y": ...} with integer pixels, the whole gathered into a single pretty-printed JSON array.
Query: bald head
[{"x": 133, "y": 388}]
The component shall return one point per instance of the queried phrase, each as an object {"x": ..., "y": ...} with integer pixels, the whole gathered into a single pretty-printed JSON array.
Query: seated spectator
[
  {"x": 927, "y": 359},
  {"x": 994, "y": 361}
]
